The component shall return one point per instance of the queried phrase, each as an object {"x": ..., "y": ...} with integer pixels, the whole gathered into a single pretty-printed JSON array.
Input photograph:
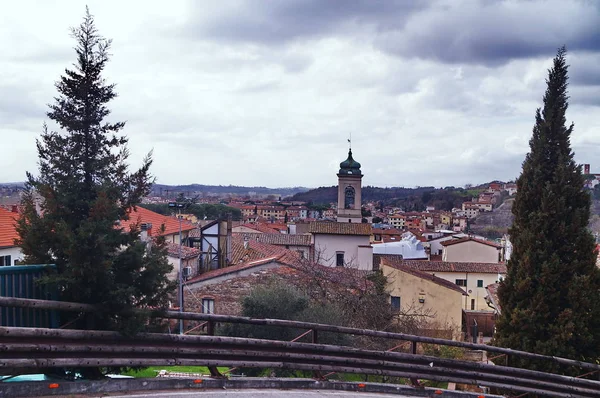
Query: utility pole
[{"x": 179, "y": 206}]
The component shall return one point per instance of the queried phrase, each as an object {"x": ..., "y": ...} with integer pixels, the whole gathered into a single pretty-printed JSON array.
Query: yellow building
[{"x": 413, "y": 290}]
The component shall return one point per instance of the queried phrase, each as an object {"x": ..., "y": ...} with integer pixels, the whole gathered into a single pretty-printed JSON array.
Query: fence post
[
  {"x": 315, "y": 340},
  {"x": 414, "y": 381},
  {"x": 210, "y": 330}
]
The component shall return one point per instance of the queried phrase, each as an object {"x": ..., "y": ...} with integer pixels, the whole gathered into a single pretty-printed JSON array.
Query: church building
[{"x": 349, "y": 191}]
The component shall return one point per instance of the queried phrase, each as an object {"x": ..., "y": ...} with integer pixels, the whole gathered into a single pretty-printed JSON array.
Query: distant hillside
[
  {"x": 494, "y": 224},
  {"x": 199, "y": 189},
  {"x": 408, "y": 198}
]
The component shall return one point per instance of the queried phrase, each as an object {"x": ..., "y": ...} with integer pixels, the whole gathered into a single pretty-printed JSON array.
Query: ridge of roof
[
  {"x": 424, "y": 275},
  {"x": 441, "y": 266},
  {"x": 469, "y": 238}
]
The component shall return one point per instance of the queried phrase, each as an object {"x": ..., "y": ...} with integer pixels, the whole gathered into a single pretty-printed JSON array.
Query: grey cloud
[
  {"x": 484, "y": 32},
  {"x": 584, "y": 69},
  {"x": 282, "y": 21},
  {"x": 493, "y": 33}
]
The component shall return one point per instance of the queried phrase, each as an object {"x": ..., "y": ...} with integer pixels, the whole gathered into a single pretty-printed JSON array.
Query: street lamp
[{"x": 179, "y": 206}]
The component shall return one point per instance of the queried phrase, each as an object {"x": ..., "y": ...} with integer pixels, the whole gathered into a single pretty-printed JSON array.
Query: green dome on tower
[{"x": 350, "y": 166}]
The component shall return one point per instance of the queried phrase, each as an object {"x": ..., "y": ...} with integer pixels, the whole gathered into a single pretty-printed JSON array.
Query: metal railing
[{"x": 26, "y": 349}]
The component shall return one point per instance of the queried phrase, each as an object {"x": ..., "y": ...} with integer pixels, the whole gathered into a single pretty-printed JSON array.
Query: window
[
  {"x": 5, "y": 260},
  {"x": 208, "y": 306},
  {"x": 301, "y": 253},
  {"x": 472, "y": 304},
  {"x": 339, "y": 259},
  {"x": 480, "y": 283},
  {"x": 395, "y": 303},
  {"x": 461, "y": 282},
  {"x": 377, "y": 237}
]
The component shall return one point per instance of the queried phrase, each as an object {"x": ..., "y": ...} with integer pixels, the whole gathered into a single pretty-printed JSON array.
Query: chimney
[
  {"x": 14, "y": 208},
  {"x": 586, "y": 168},
  {"x": 246, "y": 242},
  {"x": 228, "y": 243}
]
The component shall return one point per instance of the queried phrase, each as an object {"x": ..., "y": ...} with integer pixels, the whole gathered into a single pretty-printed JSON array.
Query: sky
[{"x": 267, "y": 93}]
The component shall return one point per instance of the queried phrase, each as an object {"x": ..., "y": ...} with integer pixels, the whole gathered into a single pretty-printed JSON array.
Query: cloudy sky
[{"x": 266, "y": 92}]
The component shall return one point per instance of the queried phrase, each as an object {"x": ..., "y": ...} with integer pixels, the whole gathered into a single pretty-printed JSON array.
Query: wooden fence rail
[{"x": 24, "y": 349}]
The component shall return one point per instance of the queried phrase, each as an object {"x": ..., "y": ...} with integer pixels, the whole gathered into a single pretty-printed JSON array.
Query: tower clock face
[{"x": 349, "y": 197}]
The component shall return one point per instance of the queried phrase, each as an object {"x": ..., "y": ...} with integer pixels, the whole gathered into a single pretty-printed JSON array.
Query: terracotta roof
[
  {"x": 8, "y": 233},
  {"x": 258, "y": 251},
  {"x": 339, "y": 228},
  {"x": 278, "y": 239},
  {"x": 261, "y": 227},
  {"x": 424, "y": 275},
  {"x": 451, "y": 242},
  {"x": 141, "y": 215},
  {"x": 440, "y": 266},
  {"x": 186, "y": 252},
  {"x": 343, "y": 277},
  {"x": 389, "y": 231}
]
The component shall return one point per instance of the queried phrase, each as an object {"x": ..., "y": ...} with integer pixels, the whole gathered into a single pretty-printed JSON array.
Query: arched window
[{"x": 349, "y": 197}]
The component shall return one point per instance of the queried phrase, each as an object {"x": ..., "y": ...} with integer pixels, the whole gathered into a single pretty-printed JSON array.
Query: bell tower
[{"x": 349, "y": 191}]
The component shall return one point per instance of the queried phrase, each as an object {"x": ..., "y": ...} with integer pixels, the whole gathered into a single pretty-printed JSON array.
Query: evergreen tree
[
  {"x": 76, "y": 210},
  {"x": 551, "y": 295}
]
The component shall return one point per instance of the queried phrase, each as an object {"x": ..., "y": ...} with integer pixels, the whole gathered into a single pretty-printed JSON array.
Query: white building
[
  {"x": 410, "y": 248},
  {"x": 339, "y": 244}
]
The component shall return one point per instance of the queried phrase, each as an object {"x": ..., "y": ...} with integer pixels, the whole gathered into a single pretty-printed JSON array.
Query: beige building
[
  {"x": 397, "y": 221},
  {"x": 470, "y": 210},
  {"x": 473, "y": 277},
  {"x": 413, "y": 290},
  {"x": 339, "y": 244},
  {"x": 470, "y": 249}
]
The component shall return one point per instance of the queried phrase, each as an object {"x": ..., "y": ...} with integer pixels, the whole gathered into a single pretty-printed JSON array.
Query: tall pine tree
[
  {"x": 551, "y": 295},
  {"x": 76, "y": 209}
]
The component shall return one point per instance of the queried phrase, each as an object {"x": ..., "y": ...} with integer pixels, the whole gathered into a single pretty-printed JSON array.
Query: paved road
[{"x": 257, "y": 393}]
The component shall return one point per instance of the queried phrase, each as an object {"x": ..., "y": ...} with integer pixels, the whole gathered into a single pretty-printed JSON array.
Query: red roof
[
  {"x": 451, "y": 242},
  {"x": 8, "y": 233},
  {"x": 140, "y": 215}
]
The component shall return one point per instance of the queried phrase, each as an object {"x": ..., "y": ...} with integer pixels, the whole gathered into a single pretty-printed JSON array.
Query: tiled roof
[
  {"x": 343, "y": 277},
  {"x": 389, "y": 231},
  {"x": 141, "y": 215},
  {"x": 8, "y": 233},
  {"x": 279, "y": 239},
  {"x": 493, "y": 295},
  {"x": 261, "y": 227},
  {"x": 186, "y": 252},
  {"x": 451, "y": 242},
  {"x": 339, "y": 228},
  {"x": 258, "y": 251},
  {"x": 424, "y": 275},
  {"x": 440, "y": 266}
]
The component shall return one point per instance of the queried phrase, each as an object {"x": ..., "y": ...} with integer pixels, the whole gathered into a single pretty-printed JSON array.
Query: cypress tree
[
  {"x": 76, "y": 211},
  {"x": 551, "y": 295}
]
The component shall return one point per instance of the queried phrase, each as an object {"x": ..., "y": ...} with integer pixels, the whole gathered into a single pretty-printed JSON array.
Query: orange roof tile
[
  {"x": 141, "y": 215},
  {"x": 8, "y": 233}
]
